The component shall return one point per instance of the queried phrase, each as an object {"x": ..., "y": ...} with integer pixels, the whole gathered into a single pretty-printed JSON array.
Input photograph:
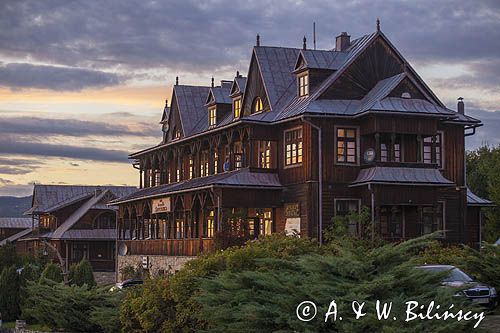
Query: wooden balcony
[{"x": 169, "y": 247}]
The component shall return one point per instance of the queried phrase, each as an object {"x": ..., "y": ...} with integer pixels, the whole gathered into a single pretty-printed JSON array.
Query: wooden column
[{"x": 377, "y": 146}]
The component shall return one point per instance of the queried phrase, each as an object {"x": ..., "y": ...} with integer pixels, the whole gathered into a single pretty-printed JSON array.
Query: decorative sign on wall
[
  {"x": 292, "y": 226},
  {"x": 162, "y": 205},
  {"x": 292, "y": 210}
]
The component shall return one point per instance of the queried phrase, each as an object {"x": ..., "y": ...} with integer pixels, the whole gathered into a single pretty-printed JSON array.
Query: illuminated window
[
  {"x": 238, "y": 155},
  {"x": 346, "y": 145},
  {"x": 257, "y": 105},
  {"x": 204, "y": 164},
  {"x": 427, "y": 149},
  {"x": 177, "y": 133},
  {"x": 303, "y": 85},
  {"x": 178, "y": 174},
  {"x": 169, "y": 176},
  {"x": 237, "y": 107},
  {"x": 190, "y": 168},
  {"x": 212, "y": 116},
  {"x": 293, "y": 147},
  {"x": 157, "y": 177},
  {"x": 216, "y": 162},
  {"x": 266, "y": 221},
  {"x": 264, "y": 154},
  {"x": 179, "y": 228},
  {"x": 208, "y": 230}
]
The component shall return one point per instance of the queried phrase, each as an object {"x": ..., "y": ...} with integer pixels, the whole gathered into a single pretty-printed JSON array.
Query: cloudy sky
[{"x": 83, "y": 83}]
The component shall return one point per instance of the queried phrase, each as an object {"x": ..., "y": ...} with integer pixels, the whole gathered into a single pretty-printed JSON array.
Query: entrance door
[{"x": 80, "y": 251}]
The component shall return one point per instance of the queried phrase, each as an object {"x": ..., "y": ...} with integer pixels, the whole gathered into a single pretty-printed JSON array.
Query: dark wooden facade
[{"x": 358, "y": 102}]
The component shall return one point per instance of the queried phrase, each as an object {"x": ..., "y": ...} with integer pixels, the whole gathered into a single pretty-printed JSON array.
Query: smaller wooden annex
[{"x": 73, "y": 223}]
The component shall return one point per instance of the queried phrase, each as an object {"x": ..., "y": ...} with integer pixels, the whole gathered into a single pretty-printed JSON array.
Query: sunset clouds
[{"x": 83, "y": 83}]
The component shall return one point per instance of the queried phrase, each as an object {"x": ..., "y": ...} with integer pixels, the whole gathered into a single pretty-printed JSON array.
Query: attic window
[
  {"x": 303, "y": 85},
  {"x": 237, "y": 107},
  {"x": 257, "y": 105},
  {"x": 176, "y": 133},
  {"x": 212, "y": 116},
  {"x": 406, "y": 95}
]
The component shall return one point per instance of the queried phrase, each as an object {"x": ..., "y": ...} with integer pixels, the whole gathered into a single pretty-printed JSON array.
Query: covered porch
[{"x": 196, "y": 216}]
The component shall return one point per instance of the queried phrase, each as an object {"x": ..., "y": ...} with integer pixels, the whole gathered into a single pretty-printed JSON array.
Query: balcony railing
[{"x": 169, "y": 247}]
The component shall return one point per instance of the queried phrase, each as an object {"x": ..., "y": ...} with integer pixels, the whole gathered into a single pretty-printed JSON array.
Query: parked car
[
  {"x": 473, "y": 290},
  {"x": 127, "y": 284}
]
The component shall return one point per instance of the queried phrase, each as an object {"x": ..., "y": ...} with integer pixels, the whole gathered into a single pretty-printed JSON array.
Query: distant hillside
[{"x": 14, "y": 206}]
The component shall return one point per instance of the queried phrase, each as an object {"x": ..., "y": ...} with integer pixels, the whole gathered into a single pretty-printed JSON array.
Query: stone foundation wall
[{"x": 158, "y": 264}]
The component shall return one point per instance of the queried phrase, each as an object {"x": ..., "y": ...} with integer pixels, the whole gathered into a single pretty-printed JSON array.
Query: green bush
[
  {"x": 52, "y": 272},
  {"x": 10, "y": 286},
  {"x": 130, "y": 272},
  {"x": 72, "y": 308},
  {"x": 82, "y": 274},
  {"x": 8, "y": 256}
]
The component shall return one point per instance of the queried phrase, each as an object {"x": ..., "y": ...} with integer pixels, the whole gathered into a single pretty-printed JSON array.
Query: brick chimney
[
  {"x": 460, "y": 105},
  {"x": 342, "y": 42}
]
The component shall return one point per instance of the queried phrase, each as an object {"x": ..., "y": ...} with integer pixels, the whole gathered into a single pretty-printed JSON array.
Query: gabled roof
[
  {"x": 276, "y": 65},
  {"x": 165, "y": 115},
  {"x": 16, "y": 236},
  {"x": 219, "y": 94},
  {"x": 191, "y": 105},
  {"x": 401, "y": 176},
  {"x": 15, "y": 222},
  {"x": 236, "y": 178},
  {"x": 78, "y": 214},
  {"x": 238, "y": 85},
  {"x": 320, "y": 59},
  {"x": 48, "y": 198},
  {"x": 474, "y": 200}
]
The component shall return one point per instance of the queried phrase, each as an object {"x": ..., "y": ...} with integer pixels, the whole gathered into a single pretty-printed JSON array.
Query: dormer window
[
  {"x": 212, "y": 116},
  {"x": 237, "y": 107},
  {"x": 258, "y": 106},
  {"x": 303, "y": 85}
]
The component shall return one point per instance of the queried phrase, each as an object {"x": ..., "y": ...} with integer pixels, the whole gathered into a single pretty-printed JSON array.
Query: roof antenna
[
  {"x": 304, "y": 43},
  {"x": 212, "y": 81},
  {"x": 314, "y": 34},
  {"x": 258, "y": 40},
  {"x": 378, "y": 25},
  {"x": 176, "y": 80}
]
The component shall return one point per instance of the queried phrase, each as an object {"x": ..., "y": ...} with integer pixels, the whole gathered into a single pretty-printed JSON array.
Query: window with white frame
[
  {"x": 303, "y": 85},
  {"x": 427, "y": 149},
  {"x": 346, "y": 145},
  {"x": 293, "y": 147}
]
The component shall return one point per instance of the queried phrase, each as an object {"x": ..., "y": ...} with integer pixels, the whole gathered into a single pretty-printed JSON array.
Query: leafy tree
[
  {"x": 82, "y": 274},
  {"x": 10, "y": 286},
  {"x": 483, "y": 178},
  {"x": 52, "y": 272},
  {"x": 72, "y": 308}
]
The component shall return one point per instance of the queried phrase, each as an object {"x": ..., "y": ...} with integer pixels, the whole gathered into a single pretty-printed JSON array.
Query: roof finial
[
  {"x": 258, "y": 40},
  {"x": 304, "y": 43},
  {"x": 212, "y": 81},
  {"x": 237, "y": 73},
  {"x": 176, "y": 80},
  {"x": 166, "y": 102},
  {"x": 378, "y": 24}
]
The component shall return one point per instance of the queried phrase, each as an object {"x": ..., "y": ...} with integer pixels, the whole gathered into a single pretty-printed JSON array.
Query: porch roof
[
  {"x": 401, "y": 176},
  {"x": 16, "y": 236},
  {"x": 474, "y": 200},
  {"x": 241, "y": 178}
]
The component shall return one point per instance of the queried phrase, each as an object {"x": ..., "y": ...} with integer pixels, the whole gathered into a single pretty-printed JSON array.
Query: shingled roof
[{"x": 15, "y": 222}]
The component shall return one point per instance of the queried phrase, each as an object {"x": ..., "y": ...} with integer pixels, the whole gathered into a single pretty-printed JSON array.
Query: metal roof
[
  {"x": 48, "y": 198},
  {"x": 322, "y": 59},
  {"x": 401, "y": 176},
  {"x": 16, "y": 236},
  {"x": 15, "y": 222},
  {"x": 236, "y": 178},
  {"x": 192, "y": 110},
  {"x": 474, "y": 200},
  {"x": 89, "y": 234},
  {"x": 220, "y": 94}
]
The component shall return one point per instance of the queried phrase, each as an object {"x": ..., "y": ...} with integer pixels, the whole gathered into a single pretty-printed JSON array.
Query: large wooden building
[
  {"x": 71, "y": 223},
  {"x": 307, "y": 135}
]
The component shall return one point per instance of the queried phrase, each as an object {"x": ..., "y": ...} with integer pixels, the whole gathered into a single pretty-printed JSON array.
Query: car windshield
[{"x": 456, "y": 275}]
